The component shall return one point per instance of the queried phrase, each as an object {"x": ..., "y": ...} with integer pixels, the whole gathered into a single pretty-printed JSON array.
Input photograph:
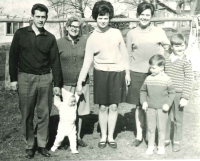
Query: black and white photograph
[{"x": 99, "y": 80}]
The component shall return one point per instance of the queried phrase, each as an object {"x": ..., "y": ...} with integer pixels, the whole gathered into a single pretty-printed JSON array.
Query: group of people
[{"x": 141, "y": 72}]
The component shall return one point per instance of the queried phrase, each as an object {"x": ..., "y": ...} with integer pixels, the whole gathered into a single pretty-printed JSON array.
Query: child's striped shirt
[
  {"x": 157, "y": 91},
  {"x": 181, "y": 74}
]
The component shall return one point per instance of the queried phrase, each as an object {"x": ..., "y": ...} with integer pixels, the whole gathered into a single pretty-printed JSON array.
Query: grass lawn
[{"x": 12, "y": 146}]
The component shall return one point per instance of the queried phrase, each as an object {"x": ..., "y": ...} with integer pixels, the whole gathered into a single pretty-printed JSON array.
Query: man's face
[{"x": 39, "y": 18}]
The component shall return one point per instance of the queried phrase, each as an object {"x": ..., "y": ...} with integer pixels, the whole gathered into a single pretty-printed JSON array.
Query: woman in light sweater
[
  {"x": 143, "y": 42},
  {"x": 106, "y": 48}
]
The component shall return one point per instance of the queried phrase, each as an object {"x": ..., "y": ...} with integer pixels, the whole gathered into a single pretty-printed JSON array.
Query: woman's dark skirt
[
  {"x": 137, "y": 79},
  {"x": 109, "y": 87}
]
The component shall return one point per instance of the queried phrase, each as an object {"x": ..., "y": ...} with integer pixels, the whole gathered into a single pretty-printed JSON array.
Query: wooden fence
[{"x": 25, "y": 20}]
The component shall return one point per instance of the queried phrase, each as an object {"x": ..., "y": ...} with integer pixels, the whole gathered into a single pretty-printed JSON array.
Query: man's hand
[
  {"x": 145, "y": 106},
  {"x": 128, "y": 79},
  {"x": 183, "y": 102},
  {"x": 57, "y": 91},
  {"x": 79, "y": 88},
  {"x": 14, "y": 85},
  {"x": 165, "y": 107}
]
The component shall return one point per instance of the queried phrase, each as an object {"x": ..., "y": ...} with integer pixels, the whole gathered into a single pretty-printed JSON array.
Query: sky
[
  {"x": 22, "y": 8},
  {"x": 19, "y": 7}
]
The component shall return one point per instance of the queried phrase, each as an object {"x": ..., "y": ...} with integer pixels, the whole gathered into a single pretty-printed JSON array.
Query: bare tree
[
  {"x": 62, "y": 7},
  {"x": 65, "y": 7}
]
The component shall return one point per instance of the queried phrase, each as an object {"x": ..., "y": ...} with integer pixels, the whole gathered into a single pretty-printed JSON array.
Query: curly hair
[
  {"x": 102, "y": 8},
  {"x": 143, "y": 6},
  {"x": 72, "y": 19}
]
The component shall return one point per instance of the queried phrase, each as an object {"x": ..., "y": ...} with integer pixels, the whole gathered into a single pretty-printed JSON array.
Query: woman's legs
[
  {"x": 79, "y": 127},
  {"x": 139, "y": 119},
  {"x": 103, "y": 121},
  {"x": 112, "y": 119}
]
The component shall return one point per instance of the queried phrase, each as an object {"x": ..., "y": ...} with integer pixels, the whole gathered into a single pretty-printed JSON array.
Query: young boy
[
  {"x": 180, "y": 71},
  {"x": 66, "y": 127},
  {"x": 156, "y": 96}
]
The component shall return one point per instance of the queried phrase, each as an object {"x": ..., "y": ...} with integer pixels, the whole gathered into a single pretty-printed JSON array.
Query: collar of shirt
[
  {"x": 160, "y": 74},
  {"x": 70, "y": 39},
  {"x": 97, "y": 30},
  {"x": 173, "y": 57},
  {"x": 43, "y": 31}
]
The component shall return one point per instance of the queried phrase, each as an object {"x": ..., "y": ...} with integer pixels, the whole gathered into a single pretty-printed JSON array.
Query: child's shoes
[
  {"x": 53, "y": 148},
  {"x": 74, "y": 151},
  {"x": 161, "y": 150},
  {"x": 176, "y": 147},
  {"x": 150, "y": 150}
]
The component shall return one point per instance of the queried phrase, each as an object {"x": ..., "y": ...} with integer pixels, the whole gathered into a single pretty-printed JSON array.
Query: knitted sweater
[
  {"x": 107, "y": 50},
  {"x": 157, "y": 91},
  {"x": 181, "y": 74},
  {"x": 71, "y": 58},
  {"x": 142, "y": 44}
]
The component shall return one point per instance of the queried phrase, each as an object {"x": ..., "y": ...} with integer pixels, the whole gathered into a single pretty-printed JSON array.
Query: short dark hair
[
  {"x": 177, "y": 39},
  {"x": 39, "y": 7},
  {"x": 102, "y": 8},
  {"x": 145, "y": 5},
  {"x": 158, "y": 60}
]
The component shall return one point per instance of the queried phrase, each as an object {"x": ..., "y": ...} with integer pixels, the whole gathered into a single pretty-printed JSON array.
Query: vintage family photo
[{"x": 99, "y": 80}]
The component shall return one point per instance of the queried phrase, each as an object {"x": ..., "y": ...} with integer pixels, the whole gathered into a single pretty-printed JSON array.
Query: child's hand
[
  {"x": 145, "y": 106},
  {"x": 183, "y": 102},
  {"x": 165, "y": 107}
]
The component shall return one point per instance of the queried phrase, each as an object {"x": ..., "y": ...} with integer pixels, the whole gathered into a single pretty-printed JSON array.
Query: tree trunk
[{"x": 194, "y": 6}]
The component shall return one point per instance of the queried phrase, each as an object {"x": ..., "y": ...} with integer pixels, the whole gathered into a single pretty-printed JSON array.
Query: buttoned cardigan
[{"x": 71, "y": 57}]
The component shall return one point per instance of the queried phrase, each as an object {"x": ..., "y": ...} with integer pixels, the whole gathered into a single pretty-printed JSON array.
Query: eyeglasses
[{"x": 75, "y": 27}]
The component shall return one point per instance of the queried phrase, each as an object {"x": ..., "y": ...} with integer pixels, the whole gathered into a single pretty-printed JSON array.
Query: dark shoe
[
  {"x": 102, "y": 144},
  {"x": 44, "y": 152},
  {"x": 167, "y": 143},
  {"x": 81, "y": 143},
  {"x": 112, "y": 144},
  {"x": 29, "y": 153},
  {"x": 137, "y": 142},
  {"x": 176, "y": 147}
]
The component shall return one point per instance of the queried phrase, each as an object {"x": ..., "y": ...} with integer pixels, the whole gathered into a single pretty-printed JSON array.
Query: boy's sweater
[
  {"x": 181, "y": 74},
  {"x": 157, "y": 91}
]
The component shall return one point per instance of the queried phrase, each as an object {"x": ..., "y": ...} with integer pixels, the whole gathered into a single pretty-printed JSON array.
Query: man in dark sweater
[{"x": 33, "y": 64}]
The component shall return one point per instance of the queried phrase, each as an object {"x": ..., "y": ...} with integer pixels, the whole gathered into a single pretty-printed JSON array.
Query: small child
[
  {"x": 66, "y": 126},
  {"x": 180, "y": 70},
  {"x": 156, "y": 96}
]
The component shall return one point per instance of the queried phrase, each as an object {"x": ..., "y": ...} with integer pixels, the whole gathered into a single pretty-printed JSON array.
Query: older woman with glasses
[{"x": 72, "y": 51}]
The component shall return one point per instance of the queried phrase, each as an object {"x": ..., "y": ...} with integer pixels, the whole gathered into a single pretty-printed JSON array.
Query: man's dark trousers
[{"x": 35, "y": 91}]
